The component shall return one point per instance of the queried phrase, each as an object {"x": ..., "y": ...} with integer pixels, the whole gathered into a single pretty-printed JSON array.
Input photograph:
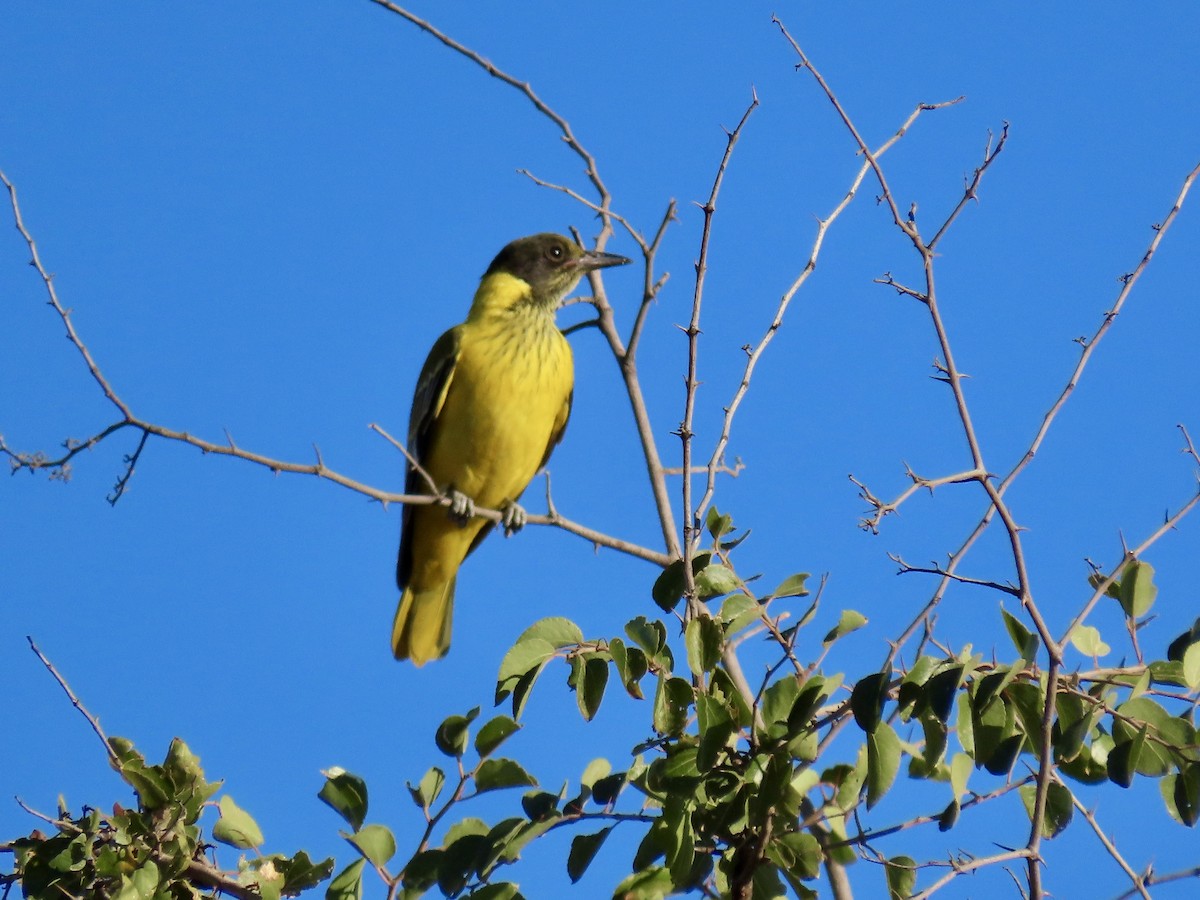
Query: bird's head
[{"x": 550, "y": 264}]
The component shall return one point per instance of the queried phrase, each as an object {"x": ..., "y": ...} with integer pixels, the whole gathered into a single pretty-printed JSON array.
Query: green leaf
[
  {"x": 458, "y": 863},
  {"x": 531, "y": 831},
  {"x": 495, "y": 774},
  {"x": 557, "y": 631},
  {"x": 883, "y": 762},
  {"x": 453, "y": 734},
  {"x": 1113, "y": 590},
  {"x": 583, "y": 851},
  {"x": 649, "y": 635},
  {"x": 669, "y": 586},
  {"x": 346, "y": 795},
  {"x": 738, "y": 612},
  {"x": 1028, "y": 701},
  {"x": 850, "y": 620},
  {"x": 521, "y": 666},
  {"x": 606, "y": 790},
  {"x": 1005, "y": 755},
  {"x": 1059, "y": 807},
  {"x": 182, "y": 770},
  {"x": 526, "y": 658},
  {"x": 499, "y": 839},
  {"x": 960, "y": 771},
  {"x": 901, "y": 873},
  {"x": 631, "y": 666},
  {"x": 948, "y": 817},
  {"x": 376, "y": 843},
  {"x": 718, "y": 525},
  {"x": 540, "y": 805},
  {"x": 652, "y": 883},
  {"x": 716, "y": 580},
  {"x": 722, "y": 688},
  {"x": 778, "y": 700},
  {"x": 1124, "y": 758},
  {"x": 1191, "y": 666},
  {"x": 1023, "y": 639},
  {"x": 590, "y": 682},
  {"x": 671, "y": 702},
  {"x": 815, "y": 691},
  {"x": 1087, "y": 641},
  {"x": 347, "y": 884},
  {"x": 866, "y": 700},
  {"x": 420, "y": 872},
  {"x": 1179, "y": 646},
  {"x": 595, "y": 770},
  {"x": 1164, "y": 672},
  {"x": 1185, "y": 795},
  {"x": 141, "y": 885},
  {"x": 498, "y": 890},
  {"x": 430, "y": 786},
  {"x": 1137, "y": 590},
  {"x": 152, "y": 786},
  {"x": 1171, "y": 734},
  {"x": 236, "y": 827},
  {"x": 939, "y": 691},
  {"x": 300, "y": 873},
  {"x": 792, "y": 586},
  {"x": 704, "y": 640},
  {"x": 935, "y": 732},
  {"x": 797, "y": 853},
  {"x": 494, "y": 733}
]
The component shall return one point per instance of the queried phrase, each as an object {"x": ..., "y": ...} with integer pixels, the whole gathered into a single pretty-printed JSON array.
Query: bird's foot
[
  {"x": 462, "y": 507},
  {"x": 513, "y": 518}
]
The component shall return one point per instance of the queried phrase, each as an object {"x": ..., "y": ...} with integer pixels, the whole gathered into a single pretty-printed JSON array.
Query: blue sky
[{"x": 262, "y": 215}]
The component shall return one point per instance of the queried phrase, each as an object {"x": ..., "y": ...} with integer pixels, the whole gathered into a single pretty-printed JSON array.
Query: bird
[{"x": 491, "y": 403}]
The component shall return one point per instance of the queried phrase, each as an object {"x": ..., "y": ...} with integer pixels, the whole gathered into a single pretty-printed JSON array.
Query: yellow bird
[{"x": 491, "y": 403}]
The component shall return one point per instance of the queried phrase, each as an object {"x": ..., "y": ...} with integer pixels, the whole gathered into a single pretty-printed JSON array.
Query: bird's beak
[{"x": 593, "y": 259}]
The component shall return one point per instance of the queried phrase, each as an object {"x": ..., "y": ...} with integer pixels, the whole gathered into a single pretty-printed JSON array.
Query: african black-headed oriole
[{"x": 491, "y": 403}]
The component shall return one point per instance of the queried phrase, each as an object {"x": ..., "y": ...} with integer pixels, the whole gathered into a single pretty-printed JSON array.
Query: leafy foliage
[{"x": 156, "y": 851}]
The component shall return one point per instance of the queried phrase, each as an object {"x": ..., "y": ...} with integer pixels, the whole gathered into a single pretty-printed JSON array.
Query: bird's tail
[{"x": 421, "y": 631}]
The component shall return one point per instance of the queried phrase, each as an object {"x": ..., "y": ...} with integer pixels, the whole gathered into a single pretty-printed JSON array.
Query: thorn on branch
[{"x": 131, "y": 461}]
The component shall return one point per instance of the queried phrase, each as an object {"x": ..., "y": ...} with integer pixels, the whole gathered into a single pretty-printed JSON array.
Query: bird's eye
[{"x": 554, "y": 252}]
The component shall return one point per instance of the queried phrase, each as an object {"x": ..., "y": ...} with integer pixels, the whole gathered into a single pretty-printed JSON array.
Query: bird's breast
[{"x": 508, "y": 396}]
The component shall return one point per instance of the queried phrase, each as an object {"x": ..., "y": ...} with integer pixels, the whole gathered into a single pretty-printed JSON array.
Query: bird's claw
[
  {"x": 513, "y": 518},
  {"x": 462, "y": 507}
]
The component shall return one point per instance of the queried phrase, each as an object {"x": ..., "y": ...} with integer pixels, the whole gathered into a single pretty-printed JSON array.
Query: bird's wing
[
  {"x": 432, "y": 386},
  {"x": 560, "y": 427},
  {"x": 428, "y": 398}
]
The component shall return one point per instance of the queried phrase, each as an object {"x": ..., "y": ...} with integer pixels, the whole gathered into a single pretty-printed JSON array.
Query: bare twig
[
  {"x": 936, "y": 569},
  {"x": 1152, "y": 878},
  {"x": 63, "y": 313},
  {"x": 691, "y": 527},
  {"x": 525, "y": 88},
  {"x": 75, "y": 701},
  {"x": 753, "y": 355},
  {"x": 1138, "y": 886}
]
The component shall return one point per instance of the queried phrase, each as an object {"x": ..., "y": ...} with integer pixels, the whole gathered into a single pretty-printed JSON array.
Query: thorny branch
[
  {"x": 692, "y": 522},
  {"x": 75, "y": 701},
  {"x": 754, "y": 354},
  {"x": 36, "y": 461},
  {"x": 979, "y": 473}
]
